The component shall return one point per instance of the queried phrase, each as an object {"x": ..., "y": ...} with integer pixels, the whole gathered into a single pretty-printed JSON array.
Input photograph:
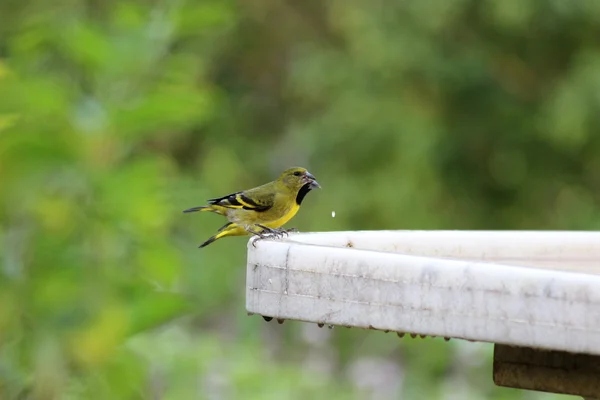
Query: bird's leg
[
  {"x": 271, "y": 231},
  {"x": 274, "y": 232},
  {"x": 267, "y": 229},
  {"x": 286, "y": 232},
  {"x": 255, "y": 232},
  {"x": 261, "y": 234},
  {"x": 283, "y": 231}
]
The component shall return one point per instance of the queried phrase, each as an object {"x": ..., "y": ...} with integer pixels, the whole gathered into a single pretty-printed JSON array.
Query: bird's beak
[{"x": 310, "y": 179}]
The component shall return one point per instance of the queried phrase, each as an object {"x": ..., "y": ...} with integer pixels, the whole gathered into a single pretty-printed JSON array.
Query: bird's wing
[{"x": 253, "y": 199}]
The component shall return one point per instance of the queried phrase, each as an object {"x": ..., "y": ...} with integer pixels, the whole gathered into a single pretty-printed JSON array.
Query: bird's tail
[
  {"x": 209, "y": 241},
  {"x": 223, "y": 231},
  {"x": 229, "y": 229},
  {"x": 199, "y": 208},
  {"x": 211, "y": 207}
]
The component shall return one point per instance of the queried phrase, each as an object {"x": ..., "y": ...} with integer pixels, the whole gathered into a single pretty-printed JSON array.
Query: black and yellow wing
[{"x": 247, "y": 200}]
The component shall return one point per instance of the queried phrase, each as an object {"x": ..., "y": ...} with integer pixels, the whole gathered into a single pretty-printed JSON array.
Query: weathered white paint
[{"x": 534, "y": 289}]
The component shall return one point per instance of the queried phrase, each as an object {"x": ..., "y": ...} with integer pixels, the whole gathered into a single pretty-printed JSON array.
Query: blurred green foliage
[{"x": 117, "y": 115}]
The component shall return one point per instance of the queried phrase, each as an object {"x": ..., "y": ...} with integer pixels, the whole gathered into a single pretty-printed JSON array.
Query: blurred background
[{"x": 416, "y": 114}]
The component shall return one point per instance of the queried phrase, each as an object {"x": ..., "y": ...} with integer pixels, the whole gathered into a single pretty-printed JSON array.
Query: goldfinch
[{"x": 263, "y": 209}]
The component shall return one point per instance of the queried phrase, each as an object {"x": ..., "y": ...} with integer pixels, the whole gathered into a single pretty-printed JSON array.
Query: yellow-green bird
[{"x": 263, "y": 209}]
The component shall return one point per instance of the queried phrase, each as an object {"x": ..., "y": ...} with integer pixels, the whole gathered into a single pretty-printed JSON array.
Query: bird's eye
[{"x": 297, "y": 173}]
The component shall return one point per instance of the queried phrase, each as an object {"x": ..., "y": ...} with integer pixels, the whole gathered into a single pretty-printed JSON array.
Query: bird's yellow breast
[{"x": 285, "y": 218}]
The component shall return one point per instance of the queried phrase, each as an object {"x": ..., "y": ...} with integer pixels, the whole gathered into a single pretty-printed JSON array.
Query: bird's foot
[
  {"x": 258, "y": 235},
  {"x": 273, "y": 232},
  {"x": 279, "y": 232},
  {"x": 286, "y": 231},
  {"x": 263, "y": 237},
  {"x": 266, "y": 229},
  {"x": 268, "y": 233}
]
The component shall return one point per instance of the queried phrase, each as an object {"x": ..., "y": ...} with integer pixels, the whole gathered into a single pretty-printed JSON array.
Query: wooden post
[{"x": 547, "y": 371}]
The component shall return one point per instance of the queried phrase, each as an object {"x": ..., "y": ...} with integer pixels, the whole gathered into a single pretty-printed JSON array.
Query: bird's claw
[
  {"x": 283, "y": 231},
  {"x": 273, "y": 232},
  {"x": 258, "y": 236},
  {"x": 268, "y": 233},
  {"x": 279, "y": 232}
]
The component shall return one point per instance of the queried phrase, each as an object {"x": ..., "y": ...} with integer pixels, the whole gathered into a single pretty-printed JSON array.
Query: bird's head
[{"x": 296, "y": 178}]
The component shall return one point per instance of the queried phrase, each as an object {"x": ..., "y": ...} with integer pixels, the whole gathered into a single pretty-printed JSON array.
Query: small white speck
[
  {"x": 270, "y": 281},
  {"x": 333, "y": 214}
]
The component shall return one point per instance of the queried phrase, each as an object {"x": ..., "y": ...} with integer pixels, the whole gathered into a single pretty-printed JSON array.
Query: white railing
[{"x": 537, "y": 290}]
